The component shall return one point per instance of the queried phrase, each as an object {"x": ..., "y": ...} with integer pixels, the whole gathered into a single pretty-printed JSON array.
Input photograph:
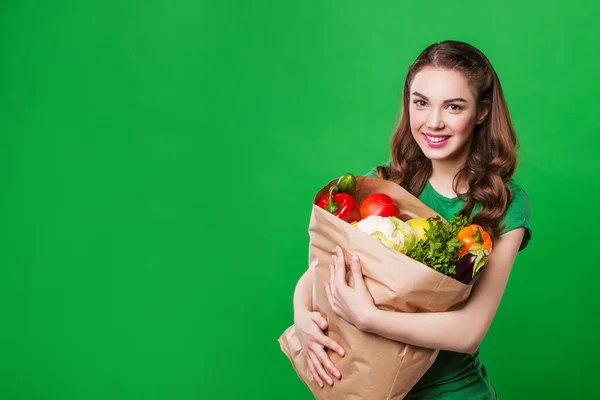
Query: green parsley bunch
[{"x": 440, "y": 246}]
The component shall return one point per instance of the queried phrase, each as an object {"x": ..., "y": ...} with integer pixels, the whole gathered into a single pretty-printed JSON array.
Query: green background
[{"x": 158, "y": 159}]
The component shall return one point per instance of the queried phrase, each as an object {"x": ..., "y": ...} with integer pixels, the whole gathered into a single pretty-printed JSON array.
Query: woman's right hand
[{"x": 309, "y": 328}]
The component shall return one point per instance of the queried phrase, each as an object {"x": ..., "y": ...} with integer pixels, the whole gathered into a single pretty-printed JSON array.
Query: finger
[
  {"x": 329, "y": 295},
  {"x": 340, "y": 268},
  {"x": 356, "y": 269},
  {"x": 333, "y": 269},
  {"x": 319, "y": 367},
  {"x": 327, "y": 364},
  {"x": 332, "y": 277},
  {"x": 328, "y": 342},
  {"x": 319, "y": 320},
  {"x": 313, "y": 371}
]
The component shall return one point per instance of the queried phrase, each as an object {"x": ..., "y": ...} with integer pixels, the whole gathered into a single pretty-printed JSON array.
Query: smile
[{"x": 436, "y": 140}]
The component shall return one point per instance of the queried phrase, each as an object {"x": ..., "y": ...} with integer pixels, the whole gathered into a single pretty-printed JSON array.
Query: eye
[
  {"x": 454, "y": 107},
  {"x": 420, "y": 103}
]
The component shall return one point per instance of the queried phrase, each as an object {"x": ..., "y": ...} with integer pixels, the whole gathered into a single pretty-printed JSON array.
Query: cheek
[
  {"x": 462, "y": 126},
  {"x": 416, "y": 121}
]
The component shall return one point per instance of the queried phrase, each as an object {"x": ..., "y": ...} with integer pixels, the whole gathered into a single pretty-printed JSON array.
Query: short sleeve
[
  {"x": 372, "y": 172},
  {"x": 518, "y": 215}
]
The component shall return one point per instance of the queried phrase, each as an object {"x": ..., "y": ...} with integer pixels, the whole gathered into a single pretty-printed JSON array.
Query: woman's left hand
[{"x": 353, "y": 304}]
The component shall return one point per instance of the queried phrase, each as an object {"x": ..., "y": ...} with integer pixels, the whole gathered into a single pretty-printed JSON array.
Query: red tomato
[{"x": 378, "y": 204}]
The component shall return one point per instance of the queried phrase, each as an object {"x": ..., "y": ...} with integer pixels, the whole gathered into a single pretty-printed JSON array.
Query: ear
[{"x": 485, "y": 109}]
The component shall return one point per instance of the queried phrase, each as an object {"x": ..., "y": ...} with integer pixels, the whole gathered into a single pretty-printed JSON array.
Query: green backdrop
[{"x": 158, "y": 159}]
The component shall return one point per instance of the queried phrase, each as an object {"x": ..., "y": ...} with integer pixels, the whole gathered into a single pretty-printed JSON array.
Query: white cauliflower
[{"x": 391, "y": 231}]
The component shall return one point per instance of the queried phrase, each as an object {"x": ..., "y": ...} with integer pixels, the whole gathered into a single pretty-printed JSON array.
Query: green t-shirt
[{"x": 455, "y": 376}]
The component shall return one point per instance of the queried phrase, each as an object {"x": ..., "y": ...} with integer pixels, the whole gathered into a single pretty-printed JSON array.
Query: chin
[
  {"x": 436, "y": 154},
  {"x": 446, "y": 153}
]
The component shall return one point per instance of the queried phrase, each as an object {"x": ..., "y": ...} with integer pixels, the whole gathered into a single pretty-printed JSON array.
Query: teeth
[{"x": 437, "y": 139}]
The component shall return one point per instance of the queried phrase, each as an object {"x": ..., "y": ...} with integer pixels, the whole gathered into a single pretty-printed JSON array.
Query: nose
[{"x": 435, "y": 120}]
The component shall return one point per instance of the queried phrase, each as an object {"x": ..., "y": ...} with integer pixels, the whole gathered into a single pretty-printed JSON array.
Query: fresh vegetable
[
  {"x": 470, "y": 264},
  {"x": 474, "y": 236},
  {"x": 379, "y": 204},
  {"x": 342, "y": 205},
  {"x": 347, "y": 183},
  {"x": 441, "y": 247},
  {"x": 391, "y": 231},
  {"x": 464, "y": 267},
  {"x": 420, "y": 225}
]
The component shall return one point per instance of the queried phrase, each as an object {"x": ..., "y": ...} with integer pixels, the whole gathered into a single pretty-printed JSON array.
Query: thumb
[
  {"x": 319, "y": 320},
  {"x": 357, "y": 272}
]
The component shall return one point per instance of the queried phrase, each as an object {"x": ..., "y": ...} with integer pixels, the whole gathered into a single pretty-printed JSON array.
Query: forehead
[{"x": 440, "y": 84}]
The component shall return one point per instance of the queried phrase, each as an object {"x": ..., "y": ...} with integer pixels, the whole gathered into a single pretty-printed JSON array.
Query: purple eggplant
[
  {"x": 470, "y": 265},
  {"x": 464, "y": 268}
]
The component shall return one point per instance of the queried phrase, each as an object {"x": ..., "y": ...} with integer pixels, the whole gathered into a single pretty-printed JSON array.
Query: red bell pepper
[{"x": 342, "y": 205}]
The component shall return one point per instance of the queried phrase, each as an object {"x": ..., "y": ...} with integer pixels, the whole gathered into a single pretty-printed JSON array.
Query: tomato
[{"x": 378, "y": 204}]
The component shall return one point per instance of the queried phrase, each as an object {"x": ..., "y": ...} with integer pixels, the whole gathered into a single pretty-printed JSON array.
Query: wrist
[
  {"x": 301, "y": 311},
  {"x": 366, "y": 321}
]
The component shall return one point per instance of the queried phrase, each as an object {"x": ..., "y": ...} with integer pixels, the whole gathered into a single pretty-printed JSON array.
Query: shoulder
[
  {"x": 518, "y": 212},
  {"x": 373, "y": 171},
  {"x": 519, "y": 203}
]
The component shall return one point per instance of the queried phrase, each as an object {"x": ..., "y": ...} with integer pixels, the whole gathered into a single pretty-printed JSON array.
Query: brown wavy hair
[{"x": 492, "y": 158}]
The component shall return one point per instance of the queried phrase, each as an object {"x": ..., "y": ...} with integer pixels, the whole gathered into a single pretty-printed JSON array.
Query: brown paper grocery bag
[{"x": 374, "y": 367}]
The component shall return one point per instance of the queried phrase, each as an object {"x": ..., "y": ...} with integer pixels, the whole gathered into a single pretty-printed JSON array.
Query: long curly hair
[{"x": 492, "y": 158}]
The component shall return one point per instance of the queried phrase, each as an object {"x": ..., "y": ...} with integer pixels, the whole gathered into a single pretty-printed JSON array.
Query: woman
[{"x": 454, "y": 149}]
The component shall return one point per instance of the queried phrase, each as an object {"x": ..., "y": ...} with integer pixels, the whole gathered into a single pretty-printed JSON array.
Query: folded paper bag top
[{"x": 374, "y": 367}]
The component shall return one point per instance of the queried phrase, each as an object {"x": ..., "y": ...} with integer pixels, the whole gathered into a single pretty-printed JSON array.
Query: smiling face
[{"x": 443, "y": 114}]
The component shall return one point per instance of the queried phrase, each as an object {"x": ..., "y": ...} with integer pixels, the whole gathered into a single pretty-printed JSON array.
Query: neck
[{"x": 444, "y": 171}]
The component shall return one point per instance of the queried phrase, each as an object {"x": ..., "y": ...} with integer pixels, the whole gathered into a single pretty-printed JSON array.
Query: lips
[{"x": 435, "y": 140}]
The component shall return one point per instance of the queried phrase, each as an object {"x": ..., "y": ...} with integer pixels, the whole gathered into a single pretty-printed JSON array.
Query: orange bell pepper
[{"x": 474, "y": 236}]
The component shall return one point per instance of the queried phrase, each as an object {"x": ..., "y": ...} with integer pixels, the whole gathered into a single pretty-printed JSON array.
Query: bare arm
[
  {"x": 460, "y": 331},
  {"x": 303, "y": 294},
  {"x": 309, "y": 328},
  {"x": 464, "y": 329}
]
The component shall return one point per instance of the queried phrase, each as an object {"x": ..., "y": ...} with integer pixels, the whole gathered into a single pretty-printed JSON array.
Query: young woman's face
[{"x": 442, "y": 113}]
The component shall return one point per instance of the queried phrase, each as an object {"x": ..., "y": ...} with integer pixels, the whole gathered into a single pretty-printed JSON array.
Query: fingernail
[
  {"x": 337, "y": 374},
  {"x": 355, "y": 258},
  {"x": 330, "y": 382}
]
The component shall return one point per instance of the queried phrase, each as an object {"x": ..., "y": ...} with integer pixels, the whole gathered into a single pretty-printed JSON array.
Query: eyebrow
[{"x": 454, "y": 100}]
